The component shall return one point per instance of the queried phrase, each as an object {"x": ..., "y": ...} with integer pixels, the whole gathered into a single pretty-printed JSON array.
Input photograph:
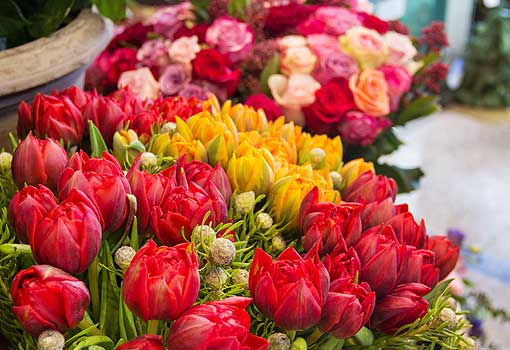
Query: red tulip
[
  {"x": 38, "y": 162},
  {"x": 401, "y": 306},
  {"x": 28, "y": 207},
  {"x": 76, "y": 95},
  {"x": 143, "y": 123},
  {"x": 106, "y": 114},
  {"x": 328, "y": 223},
  {"x": 53, "y": 116},
  {"x": 161, "y": 282},
  {"x": 382, "y": 259},
  {"x": 45, "y": 297},
  {"x": 408, "y": 231},
  {"x": 107, "y": 164},
  {"x": 290, "y": 290},
  {"x": 369, "y": 187},
  {"x": 143, "y": 342},
  {"x": 420, "y": 268},
  {"x": 342, "y": 266},
  {"x": 376, "y": 213},
  {"x": 222, "y": 324},
  {"x": 347, "y": 309},
  {"x": 177, "y": 106},
  {"x": 69, "y": 236},
  {"x": 129, "y": 102},
  {"x": 149, "y": 190},
  {"x": 446, "y": 252}
]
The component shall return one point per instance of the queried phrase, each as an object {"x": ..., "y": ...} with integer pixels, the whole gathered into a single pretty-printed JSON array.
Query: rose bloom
[
  {"x": 359, "y": 128},
  {"x": 231, "y": 37},
  {"x": 292, "y": 93},
  {"x": 167, "y": 20},
  {"x": 338, "y": 20},
  {"x": 173, "y": 79},
  {"x": 365, "y": 45},
  {"x": 370, "y": 92},
  {"x": 141, "y": 82},
  {"x": 194, "y": 90},
  {"x": 297, "y": 60},
  {"x": 291, "y": 41},
  {"x": 400, "y": 49},
  {"x": 153, "y": 53},
  {"x": 399, "y": 81},
  {"x": 323, "y": 44},
  {"x": 184, "y": 50},
  {"x": 334, "y": 65}
]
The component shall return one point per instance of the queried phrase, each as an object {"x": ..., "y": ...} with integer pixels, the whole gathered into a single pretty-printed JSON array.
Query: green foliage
[
  {"x": 236, "y": 8},
  {"x": 407, "y": 179},
  {"x": 97, "y": 143},
  {"x": 113, "y": 9},
  {"x": 272, "y": 67},
  {"x": 417, "y": 108}
]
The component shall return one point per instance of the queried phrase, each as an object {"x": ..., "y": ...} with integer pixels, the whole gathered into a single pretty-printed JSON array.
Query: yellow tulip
[
  {"x": 280, "y": 148},
  {"x": 290, "y": 132},
  {"x": 176, "y": 145},
  {"x": 126, "y": 146},
  {"x": 246, "y": 118},
  {"x": 251, "y": 137},
  {"x": 351, "y": 170},
  {"x": 321, "y": 178},
  {"x": 321, "y": 151}
]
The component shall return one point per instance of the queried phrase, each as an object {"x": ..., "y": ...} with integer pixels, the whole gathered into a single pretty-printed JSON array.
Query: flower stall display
[
  {"x": 334, "y": 69},
  {"x": 189, "y": 224}
]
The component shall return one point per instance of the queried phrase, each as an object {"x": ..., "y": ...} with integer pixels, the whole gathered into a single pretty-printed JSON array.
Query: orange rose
[{"x": 370, "y": 92}]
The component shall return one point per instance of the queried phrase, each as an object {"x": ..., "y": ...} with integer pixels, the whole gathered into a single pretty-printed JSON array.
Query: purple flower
[
  {"x": 173, "y": 79},
  {"x": 456, "y": 236},
  {"x": 333, "y": 65}
]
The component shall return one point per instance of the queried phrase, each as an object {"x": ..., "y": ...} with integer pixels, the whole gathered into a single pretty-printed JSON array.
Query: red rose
[
  {"x": 269, "y": 106},
  {"x": 106, "y": 69},
  {"x": 311, "y": 26},
  {"x": 332, "y": 101},
  {"x": 134, "y": 34},
  {"x": 282, "y": 18},
  {"x": 359, "y": 128},
  {"x": 373, "y": 22},
  {"x": 198, "y": 30},
  {"x": 213, "y": 66}
]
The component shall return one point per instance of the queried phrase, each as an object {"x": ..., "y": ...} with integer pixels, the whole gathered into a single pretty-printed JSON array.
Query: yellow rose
[
  {"x": 297, "y": 60},
  {"x": 366, "y": 46}
]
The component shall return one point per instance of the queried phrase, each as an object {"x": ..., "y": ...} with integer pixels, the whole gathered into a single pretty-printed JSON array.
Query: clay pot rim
[{"x": 49, "y": 58}]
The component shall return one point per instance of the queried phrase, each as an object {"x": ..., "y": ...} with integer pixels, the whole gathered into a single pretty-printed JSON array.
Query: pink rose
[
  {"x": 337, "y": 20},
  {"x": 359, "y": 128},
  {"x": 293, "y": 93},
  {"x": 400, "y": 49},
  {"x": 323, "y": 44},
  {"x": 194, "y": 90},
  {"x": 336, "y": 64},
  {"x": 184, "y": 49},
  {"x": 399, "y": 81},
  {"x": 231, "y": 37},
  {"x": 153, "y": 53},
  {"x": 167, "y": 20},
  {"x": 297, "y": 60},
  {"x": 141, "y": 82},
  {"x": 173, "y": 79}
]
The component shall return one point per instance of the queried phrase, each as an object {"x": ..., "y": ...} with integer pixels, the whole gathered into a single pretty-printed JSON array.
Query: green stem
[
  {"x": 10, "y": 248},
  {"x": 93, "y": 277},
  {"x": 87, "y": 323},
  {"x": 312, "y": 338},
  {"x": 152, "y": 327}
]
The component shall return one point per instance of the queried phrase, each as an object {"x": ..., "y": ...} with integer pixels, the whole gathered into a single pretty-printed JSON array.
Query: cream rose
[
  {"x": 291, "y": 41},
  {"x": 400, "y": 49},
  {"x": 141, "y": 82},
  {"x": 297, "y": 60},
  {"x": 184, "y": 49},
  {"x": 366, "y": 45},
  {"x": 293, "y": 93}
]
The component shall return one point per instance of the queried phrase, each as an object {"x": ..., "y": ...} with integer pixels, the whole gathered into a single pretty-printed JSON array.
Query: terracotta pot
[{"x": 45, "y": 64}]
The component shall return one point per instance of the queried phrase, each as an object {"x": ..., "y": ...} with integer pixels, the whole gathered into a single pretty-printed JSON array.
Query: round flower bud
[
  {"x": 5, "y": 162},
  {"x": 264, "y": 220},
  {"x": 278, "y": 243},
  {"x": 336, "y": 178},
  {"x": 149, "y": 159},
  {"x": 278, "y": 341},
  {"x": 169, "y": 128},
  {"x": 299, "y": 344},
  {"x": 222, "y": 252},
  {"x": 50, "y": 340},
  {"x": 245, "y": 202},
  {"x": 242, "y": 278},
  {"x": 449, "y": 316},
  {"x": 203, "y": 233},
  {"x": 123, "y": 256},
  {"x": 216, "y": 278},
  {"x": 317, "y": 156},
  {"x": 468, "y": 344}
]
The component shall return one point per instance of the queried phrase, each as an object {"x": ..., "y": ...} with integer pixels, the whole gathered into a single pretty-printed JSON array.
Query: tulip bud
[
  {"x": 169, "y": 128},
  {"x": 446, "y": 253},
  {"x": 126, "y": 146},
  {"x": 278, "y": 243},
  {"x": 149, "y": 159},
  {"x": 216, "y": 278},
  {"x": 5, "y": 162},
  {"x": 278, "y": 341},
  {"x": 222, "y": 251},
  {"x": 264, "y": 220},
  {"x": 244, "y": 202},
  {"x": 337, "y": 179},
  {"x": 123, "y": 256},
  {"x": 50, "y": 340},
  {"x": 241, "y": 278}
]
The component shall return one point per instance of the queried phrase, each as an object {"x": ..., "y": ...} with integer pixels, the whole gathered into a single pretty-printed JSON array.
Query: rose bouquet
[
  {"x": 195, "y": 225},
  {"x": 333, "y": 68}
]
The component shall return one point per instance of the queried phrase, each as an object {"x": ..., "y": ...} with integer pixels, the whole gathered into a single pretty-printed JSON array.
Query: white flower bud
[
  {"x": 264, "y": 220},
  {"x": 5, "y": 162},
  {"x": 317, "y": 156},
  {"x": 216, "y": 278},
  {"x": 123, "y": 257},
  {"x": 336, "y": 178},
  {"x": 203, "y": 233},
  {"x": 278, "y": 243},
  {"x": 50, "y": 340},
  {"x": 278, "y": 341},
  {"x": 149, "y": 159},
  {"x": 449, "y": 316},
  {"x": 222, "y": 252},
  {"x": 245, "y": 202},
  {"x": 169, "y": 128},
  {"x": 468, "y": 344},
  {"x": 241, "y": 277}
]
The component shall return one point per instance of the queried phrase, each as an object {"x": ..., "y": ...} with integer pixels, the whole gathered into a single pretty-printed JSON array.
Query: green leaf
[
  {"x": 420, "y": 107},
  {"x": 385, "y": 143},
  {"x": 49, "y": 17},
  {"x": 97, "y": 144},
  {"x": 428, "y": 59},
  {"x": 272, "y": 67},
  {"x": 236, "y": 8},
  {"x": 97, "y": 340},
  {"x": 437, "y": 291},
  {"x": 113, "y": 9},
  {"x": 407, "y": 179}
]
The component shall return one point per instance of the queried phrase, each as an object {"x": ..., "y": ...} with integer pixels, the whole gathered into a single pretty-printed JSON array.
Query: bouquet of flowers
[
  {"x": 334, "y": 69},
  {"x": 208, "y": 227}
]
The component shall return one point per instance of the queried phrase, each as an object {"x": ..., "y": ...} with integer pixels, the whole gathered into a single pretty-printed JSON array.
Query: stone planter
[{"x": 45, "y": 64}]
